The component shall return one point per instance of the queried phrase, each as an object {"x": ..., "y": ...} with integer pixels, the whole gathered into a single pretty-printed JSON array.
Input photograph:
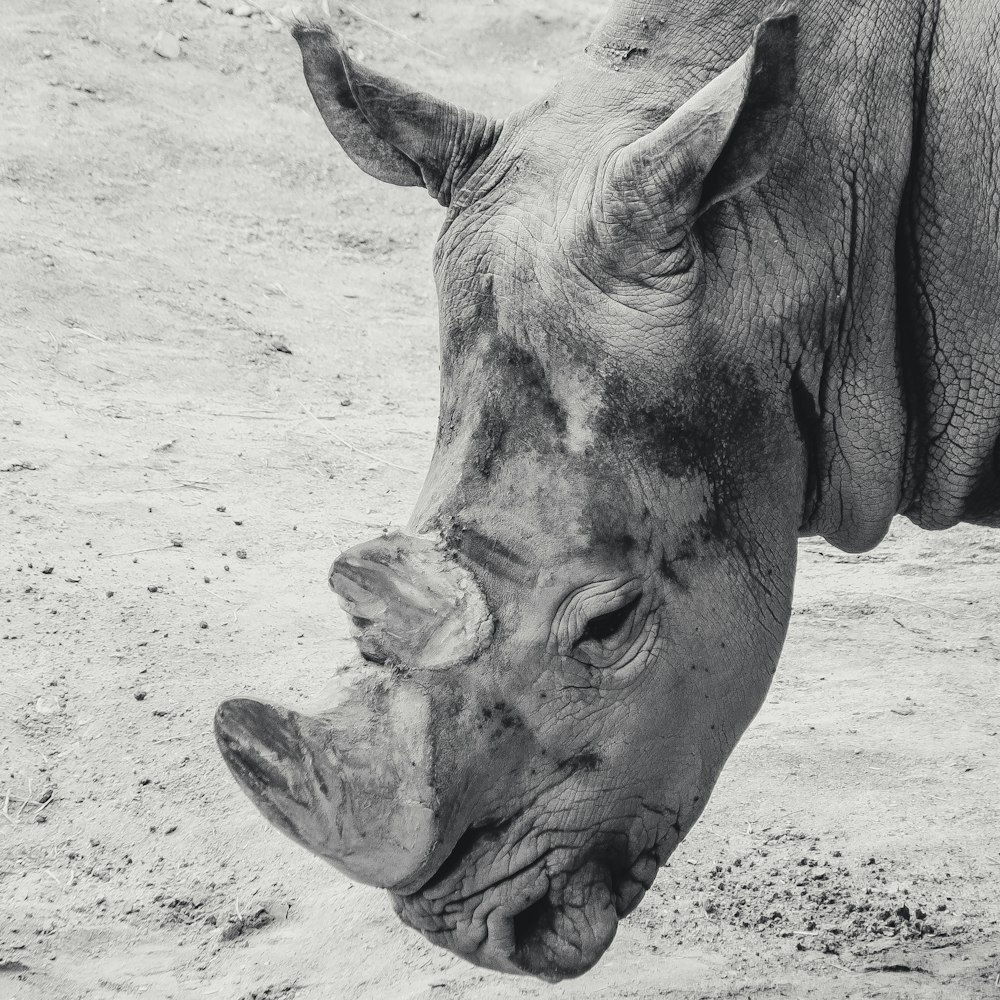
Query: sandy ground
[{"x": 218, "y": 367}]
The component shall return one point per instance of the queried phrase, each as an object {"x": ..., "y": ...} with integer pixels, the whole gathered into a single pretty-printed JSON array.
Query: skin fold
[{"x": 731, "y": 282}]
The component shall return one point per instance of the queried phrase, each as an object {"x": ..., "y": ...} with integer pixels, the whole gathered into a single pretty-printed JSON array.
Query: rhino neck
[
  {"x": 947, "y": 265},
  {"x": 806, "y": 260}
]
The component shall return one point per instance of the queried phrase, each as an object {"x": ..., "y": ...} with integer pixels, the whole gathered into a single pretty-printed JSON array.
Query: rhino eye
[{"x": 604, "y": 626}]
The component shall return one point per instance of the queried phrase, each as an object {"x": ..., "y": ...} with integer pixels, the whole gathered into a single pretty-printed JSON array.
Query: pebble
[
  {"x": 241, "y": 553},
  {"x": 47, "y": 705},
  {"x": 140, "y": 696},
  {"x": 167, "y": 46},
  {"x": 48, "y": 570}
]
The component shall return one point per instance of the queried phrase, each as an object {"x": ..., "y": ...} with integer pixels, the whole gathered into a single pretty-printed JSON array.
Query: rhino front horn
[{"x": 351, "y": 786}]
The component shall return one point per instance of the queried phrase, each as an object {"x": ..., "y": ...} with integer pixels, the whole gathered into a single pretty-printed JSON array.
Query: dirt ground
[{"x": 218, "y": 367}]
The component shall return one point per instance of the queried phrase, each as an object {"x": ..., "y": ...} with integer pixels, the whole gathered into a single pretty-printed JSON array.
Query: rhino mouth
[{"x": 550, "y": 913}]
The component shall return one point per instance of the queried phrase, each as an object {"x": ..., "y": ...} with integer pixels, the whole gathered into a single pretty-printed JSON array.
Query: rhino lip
[{"x": 545, "y": 887}]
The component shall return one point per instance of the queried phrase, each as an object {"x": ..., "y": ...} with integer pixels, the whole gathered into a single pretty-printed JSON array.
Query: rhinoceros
[{"x": 731, "y": 282}]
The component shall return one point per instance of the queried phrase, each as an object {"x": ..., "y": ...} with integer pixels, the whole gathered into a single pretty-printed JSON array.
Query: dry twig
[{"x": 347, "y": 444}]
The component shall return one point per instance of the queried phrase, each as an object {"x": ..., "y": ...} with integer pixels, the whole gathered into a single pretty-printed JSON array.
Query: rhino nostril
[{"x": 376, "y": 656}]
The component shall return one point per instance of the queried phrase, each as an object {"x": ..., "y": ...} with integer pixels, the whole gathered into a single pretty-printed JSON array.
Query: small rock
[
  {"x": 140, "y": 696},
  {"x": 153, "y": 588},
  {"x": 279, "y": 345},
  {"x": 47, "y": 571},
  {"x": 345, "y": 402},
  {"x": 165, "y": 445},
  {"x": 221, "y": 510},
  {"x": 47, "y": 705},
  {"x": 177, "y": 543},
  {"x": 167, "y": 46},
  {"x": 41, "y": 818},
  {"x": 203, "y": 625},
  {"x": 238, "y": 524},
  {"x": 241, "y": 553},
  {"x": 46, "y": 54},
  {"x": 72, "y": 579},
  {"x": 110, "y": 593}
]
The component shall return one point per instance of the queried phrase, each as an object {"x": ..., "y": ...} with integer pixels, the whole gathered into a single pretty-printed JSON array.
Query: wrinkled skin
[{"x": 694, "y": 304}]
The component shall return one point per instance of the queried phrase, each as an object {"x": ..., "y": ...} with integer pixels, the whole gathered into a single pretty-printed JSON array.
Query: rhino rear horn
[
  {"x": 410, "y": 602},
  {"x": 394, "y": 133}
]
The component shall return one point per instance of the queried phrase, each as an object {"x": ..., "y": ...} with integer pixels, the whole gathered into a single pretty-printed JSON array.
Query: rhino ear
[
  {"x": 715, "y": 145},
  {"x": 393, "y": 133}
]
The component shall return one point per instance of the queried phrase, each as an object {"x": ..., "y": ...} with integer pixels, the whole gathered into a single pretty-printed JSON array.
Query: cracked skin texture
[{"x": 672, "y": 343}]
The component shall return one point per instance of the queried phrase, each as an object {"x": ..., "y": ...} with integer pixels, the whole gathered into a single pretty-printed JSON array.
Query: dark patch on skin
[
  {"x": 707, "y": 425},
  {"x": 685, "y": 551},
  {"x": 506, "y": 716},
  {"x": 580, "y": 762},
  {"x": 489, "y": 553},
  {"x": 517, "y": 409},
  {"x": 489, "y": 441},
  {"x": 668, "y": 572},
  {"x": 714, "y": 525}
]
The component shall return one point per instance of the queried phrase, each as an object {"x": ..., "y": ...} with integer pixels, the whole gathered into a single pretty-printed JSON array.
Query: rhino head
[{"x": 585, "y": 612}]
